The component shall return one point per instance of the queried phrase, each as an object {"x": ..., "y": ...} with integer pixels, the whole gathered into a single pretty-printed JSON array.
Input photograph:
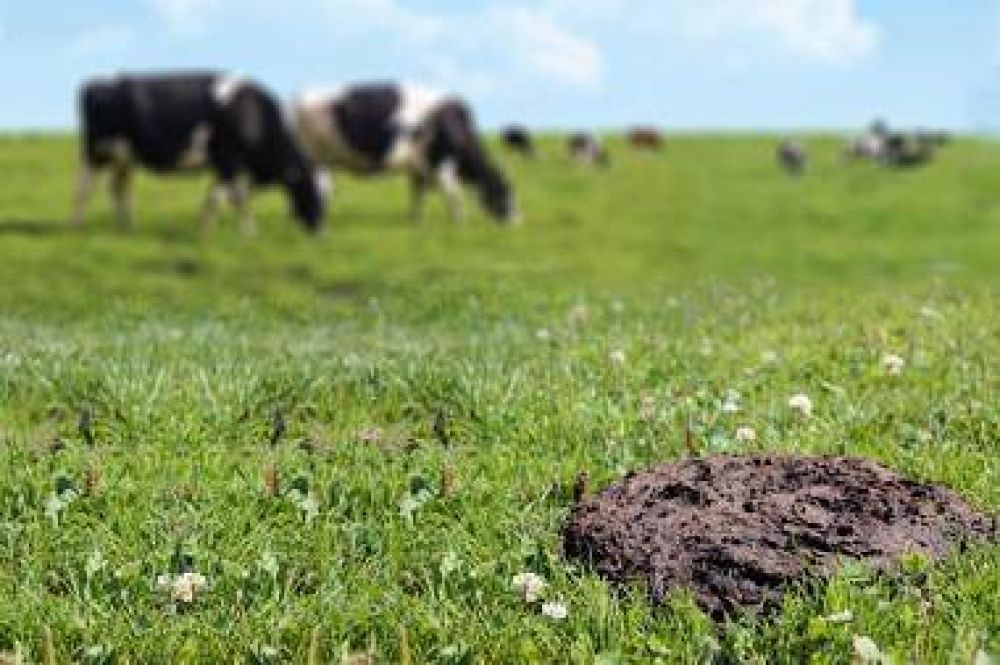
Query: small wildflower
[
  {"x": 746, "y": 434},
  {"x": 866, "y": 650},
  {"x": 555, "y": 610},
  {"x": 529, "y": 585},
  {"x": 769, "y": 357},
  {"x": 800, "y": 402},
  {"x": 543, "y": 335},
  {"x": 893, "y": 364},
  {"x": 732, "y": 402},
  {"x": 617, "y": 358},
  {"x": 930, "y": 313},
  {"x": 647, "y": 407},
  {"x": 183, "y": 587}
]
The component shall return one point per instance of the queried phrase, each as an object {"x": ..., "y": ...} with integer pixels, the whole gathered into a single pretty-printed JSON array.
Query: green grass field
[{"x": 442, "y": 385}]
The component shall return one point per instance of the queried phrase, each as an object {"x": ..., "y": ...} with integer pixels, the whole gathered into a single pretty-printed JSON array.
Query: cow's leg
[
  {"x": 210, "y": 210},
  {"x": 121, "y": 194},
  {"x": 240, "y": 193},
  {"x": 451, "y": 185},
  {"x": 84, "y": 187},
  {"x": 418, "y": 189}
]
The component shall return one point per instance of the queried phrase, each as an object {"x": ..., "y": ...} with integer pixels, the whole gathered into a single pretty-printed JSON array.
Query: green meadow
[{"x": 351, "y": 443}]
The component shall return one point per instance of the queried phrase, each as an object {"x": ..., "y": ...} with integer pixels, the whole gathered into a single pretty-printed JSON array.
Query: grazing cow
[
  {"x": 644, "y": 138},
  {"x": 903, "y": 150},
  {"x": 178, "y": 122},
  {"x": 897, "y": 149},
  {"x": 587, "y": 149},
  {"x": 866, "y": 146},
  {"x": 518, "y": 139},
  {"x": 378, "y": 128},
  {"x": 871, "y": 144},
  {"x": 792, "y": 157}
]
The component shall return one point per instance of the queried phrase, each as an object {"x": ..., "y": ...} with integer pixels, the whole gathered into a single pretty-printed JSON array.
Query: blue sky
[{"x": 552, "y": 63}]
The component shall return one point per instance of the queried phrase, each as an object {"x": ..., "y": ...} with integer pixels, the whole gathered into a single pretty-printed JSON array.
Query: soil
[{"x": 737, "y": 531}]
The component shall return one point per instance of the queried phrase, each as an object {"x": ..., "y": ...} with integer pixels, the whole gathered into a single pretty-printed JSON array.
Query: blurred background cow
[
  {"x": 518, "y": 139},
  {"x": 177, "y": 122},
  {"x": 377, "y": 128},
  {"x": 792, "y": 157},
  {"x": 587, "y": 148},
  {"x": 644, "y": 138}
]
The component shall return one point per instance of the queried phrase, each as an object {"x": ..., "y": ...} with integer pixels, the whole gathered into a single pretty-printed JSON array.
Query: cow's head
[
  {"x": 497, "y": 197},
  {"x": 302, "y": 182}
]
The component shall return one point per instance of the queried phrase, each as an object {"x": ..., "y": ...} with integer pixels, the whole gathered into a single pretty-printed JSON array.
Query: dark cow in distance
[
  {"x": 644, "y": 138},
  {"x": 177, "y": 122},
  {"x": 792, "y": 157},
  {"x": 586, "y": 148},
  {"x": 378, "y": 128},
  {"x": 518, "y": 139}
]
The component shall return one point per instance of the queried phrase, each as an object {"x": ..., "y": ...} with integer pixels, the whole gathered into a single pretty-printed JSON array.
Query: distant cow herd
[{"x": 240, "y": 132}]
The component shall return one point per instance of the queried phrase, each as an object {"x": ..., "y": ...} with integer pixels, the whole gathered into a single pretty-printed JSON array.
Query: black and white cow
[
  {"x": 587, "y": 148},
  {"x": 178, "y": 122},
  {"x": 378, "y": 128}
]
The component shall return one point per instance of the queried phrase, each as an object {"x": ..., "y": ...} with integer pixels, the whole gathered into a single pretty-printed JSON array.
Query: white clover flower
[
  {"x": 529, "y": 585},
  {"x": 800, "y": 402},
  {"x": 543, "y": 335},
  {"x": 647, "y": 407},
  {"x": 893, "y": 364},
  {"x": 183, "y": 587},
  {"x": 617, "y": 358},
  {"x": 555, "y": 610},
  {"x": 866, "y": 650},
  {"x": 930, "y": 313},
  {"x": 746, "y": 434}
]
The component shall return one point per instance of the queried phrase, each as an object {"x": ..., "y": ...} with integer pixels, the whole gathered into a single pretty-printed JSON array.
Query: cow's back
[
  {"x": 366, "y": 128},
  {"x": 155, "y": 116}
]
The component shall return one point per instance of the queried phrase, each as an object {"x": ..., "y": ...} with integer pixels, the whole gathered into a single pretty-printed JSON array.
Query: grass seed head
[{"x": 272, "y": 480}]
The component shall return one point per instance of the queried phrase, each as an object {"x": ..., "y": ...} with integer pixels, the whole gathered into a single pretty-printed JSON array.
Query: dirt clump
[{"x": 737, "y": 531}]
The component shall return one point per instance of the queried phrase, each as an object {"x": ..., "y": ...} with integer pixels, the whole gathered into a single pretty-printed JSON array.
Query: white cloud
[
  {"x": 103, "y": 39},
  {"x": 187, "y": 17},
  {"x": 360, "y": 16},
  {"x": 536, "y": 38},
  {"x": 831, "y": 31},
  {"x": 479, "y": 46}
]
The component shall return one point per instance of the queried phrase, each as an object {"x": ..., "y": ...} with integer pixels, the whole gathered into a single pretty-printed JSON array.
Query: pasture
[{"x": 440, "y": 386}]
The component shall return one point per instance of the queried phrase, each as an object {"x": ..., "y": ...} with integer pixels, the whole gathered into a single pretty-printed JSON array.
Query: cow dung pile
[{"x": 737, "y": 531}]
